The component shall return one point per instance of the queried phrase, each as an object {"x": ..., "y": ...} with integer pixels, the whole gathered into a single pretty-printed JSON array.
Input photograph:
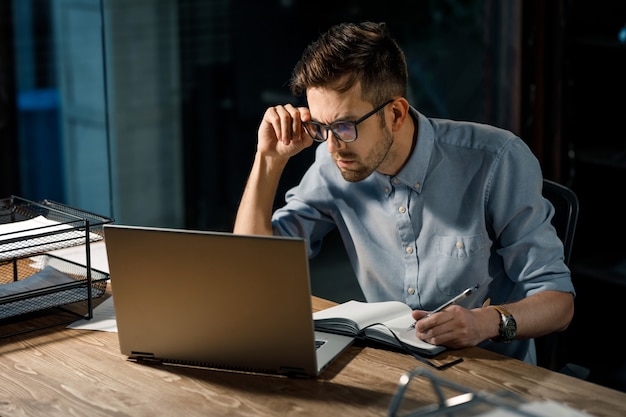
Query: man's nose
[{"x": 334, "y": 144}]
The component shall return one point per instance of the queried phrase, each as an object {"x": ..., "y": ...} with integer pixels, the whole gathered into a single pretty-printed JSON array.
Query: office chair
[
  {"x": 565, "y": 217},
  {"x": 550, "y": 349}
]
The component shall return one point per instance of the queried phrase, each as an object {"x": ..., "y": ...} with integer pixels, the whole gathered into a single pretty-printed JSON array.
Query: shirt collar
[{"x": 414, "y": 171}]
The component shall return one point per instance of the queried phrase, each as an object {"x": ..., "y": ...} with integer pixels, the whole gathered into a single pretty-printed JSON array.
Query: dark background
[{"x": 553, "y": 72}]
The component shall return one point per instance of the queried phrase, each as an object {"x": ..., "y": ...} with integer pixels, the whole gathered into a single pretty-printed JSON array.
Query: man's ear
[
  {"x": 396, "y": 114},
  {"x": 400, "y": 111}
]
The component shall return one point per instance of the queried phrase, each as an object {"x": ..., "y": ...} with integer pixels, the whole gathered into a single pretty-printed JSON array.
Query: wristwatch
[{"x": 508, "y": 326}]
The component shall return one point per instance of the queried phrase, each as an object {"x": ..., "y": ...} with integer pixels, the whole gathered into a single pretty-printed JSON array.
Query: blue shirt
[{"x": 466, "y": 209}]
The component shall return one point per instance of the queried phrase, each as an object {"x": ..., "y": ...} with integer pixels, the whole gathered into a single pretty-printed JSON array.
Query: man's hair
[{"x": 349, "y": 53}]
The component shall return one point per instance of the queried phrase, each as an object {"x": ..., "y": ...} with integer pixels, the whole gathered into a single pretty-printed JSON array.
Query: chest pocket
[
  {"x": 461, "y": 262},
  {"x": 460, "y": 247}
]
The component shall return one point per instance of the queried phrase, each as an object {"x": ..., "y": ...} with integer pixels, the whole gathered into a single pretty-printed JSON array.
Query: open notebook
[{"x": 217, "y": 300}]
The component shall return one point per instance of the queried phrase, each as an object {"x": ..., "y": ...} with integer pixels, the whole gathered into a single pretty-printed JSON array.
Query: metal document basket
[{"x": 30, "y": 278}]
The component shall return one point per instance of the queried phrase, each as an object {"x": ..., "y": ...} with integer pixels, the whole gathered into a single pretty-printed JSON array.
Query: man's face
[{"x": 370, "y": 151}]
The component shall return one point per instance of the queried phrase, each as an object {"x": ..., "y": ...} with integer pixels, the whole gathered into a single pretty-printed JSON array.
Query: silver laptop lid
[{"x": 212, "y": 299}]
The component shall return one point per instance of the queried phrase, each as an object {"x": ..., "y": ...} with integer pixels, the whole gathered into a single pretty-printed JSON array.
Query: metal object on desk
[
  {"x": 468, "y": 402},
  {"x": 31, "y": 279}
]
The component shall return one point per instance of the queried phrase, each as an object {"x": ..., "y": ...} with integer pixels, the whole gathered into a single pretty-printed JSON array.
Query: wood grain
[{"x": 64, "y": 372}]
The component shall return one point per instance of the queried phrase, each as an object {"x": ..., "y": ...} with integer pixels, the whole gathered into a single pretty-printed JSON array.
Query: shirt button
[
  {"x": 411, "y": 290},
  {"x": 396, "y": 181},
  {"x": 409, "y": 250},
  {"x": 402, "y": 209},
  {"x": 386, "y": 190},
  {"x": 459, "y": 245},
  {"x": 416, "y": 185}
]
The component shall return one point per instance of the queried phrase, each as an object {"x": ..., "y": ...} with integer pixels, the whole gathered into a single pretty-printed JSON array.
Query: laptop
[{"x": 216, "y": 300}]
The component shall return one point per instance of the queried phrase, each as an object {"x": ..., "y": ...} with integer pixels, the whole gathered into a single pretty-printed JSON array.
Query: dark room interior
[{"x": 553, "y": 72}]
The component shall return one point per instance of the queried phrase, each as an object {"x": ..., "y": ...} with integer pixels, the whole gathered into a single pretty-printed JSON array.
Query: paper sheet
[
  {"x": 547, "y": 408},
  {"x": 78, "y": 254},
  {"x": 103, "y": 319},
  {"x": 32, "y": 242},
  {"x": 46, "y": 278}
]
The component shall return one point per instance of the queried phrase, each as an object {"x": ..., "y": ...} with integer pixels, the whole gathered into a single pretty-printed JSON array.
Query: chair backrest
[
  {"x": 550, "y": 350},
  {"x": 565, "y": 217}
]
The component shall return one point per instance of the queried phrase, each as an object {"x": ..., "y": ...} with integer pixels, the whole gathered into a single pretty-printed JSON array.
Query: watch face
[{"x": 509, "y": 329}]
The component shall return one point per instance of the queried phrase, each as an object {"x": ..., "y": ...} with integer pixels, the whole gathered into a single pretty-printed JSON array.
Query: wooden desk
[{"x": 63, "y": 372}]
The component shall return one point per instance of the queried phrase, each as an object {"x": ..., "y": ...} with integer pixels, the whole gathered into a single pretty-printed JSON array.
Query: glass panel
[{"x": 147, "y": 111}]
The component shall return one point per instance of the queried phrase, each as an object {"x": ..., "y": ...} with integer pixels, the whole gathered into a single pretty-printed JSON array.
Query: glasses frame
[{"x": 329, "y": 128}]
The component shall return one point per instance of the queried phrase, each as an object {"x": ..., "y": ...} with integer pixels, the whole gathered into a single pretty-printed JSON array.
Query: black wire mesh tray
[
  {"x": 30, "y": 278},
  {"x": 46, "y": 281},
  {"x": 28, "y": 227}
]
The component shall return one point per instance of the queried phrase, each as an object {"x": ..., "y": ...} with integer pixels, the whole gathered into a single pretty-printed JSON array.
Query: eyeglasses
[{"x": 345, "y": 131}]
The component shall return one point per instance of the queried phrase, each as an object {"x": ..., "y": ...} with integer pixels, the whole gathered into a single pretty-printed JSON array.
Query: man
[{"x": 425, "y": 207}]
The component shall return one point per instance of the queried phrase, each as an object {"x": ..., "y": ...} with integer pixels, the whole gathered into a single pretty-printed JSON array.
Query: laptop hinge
[
  {"x": 144, "y": 357},
  {"x": 292, "y": 371}
]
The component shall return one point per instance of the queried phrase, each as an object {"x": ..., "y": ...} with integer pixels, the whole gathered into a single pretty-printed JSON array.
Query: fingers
[
  {"x": 433, "y": 329},
  {"x": 454, "y": 327},
  {"x": 418, "y": 314},
  {"x": 286, "y": 122},
  {"x": 428, "y": 324}
]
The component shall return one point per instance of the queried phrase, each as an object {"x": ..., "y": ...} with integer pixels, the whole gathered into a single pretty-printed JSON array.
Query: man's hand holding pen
[{"x": 452, "y": 325}]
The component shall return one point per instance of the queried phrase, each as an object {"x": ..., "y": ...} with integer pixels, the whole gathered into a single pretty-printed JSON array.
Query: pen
[{"x": 456, "y": 299}]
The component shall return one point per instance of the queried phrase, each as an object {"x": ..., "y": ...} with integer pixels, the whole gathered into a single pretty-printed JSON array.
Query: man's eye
[{"x": 342, "y": 127}]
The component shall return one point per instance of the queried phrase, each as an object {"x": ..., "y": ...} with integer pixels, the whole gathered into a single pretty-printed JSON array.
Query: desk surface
[{"x": 64, "y": 372}]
